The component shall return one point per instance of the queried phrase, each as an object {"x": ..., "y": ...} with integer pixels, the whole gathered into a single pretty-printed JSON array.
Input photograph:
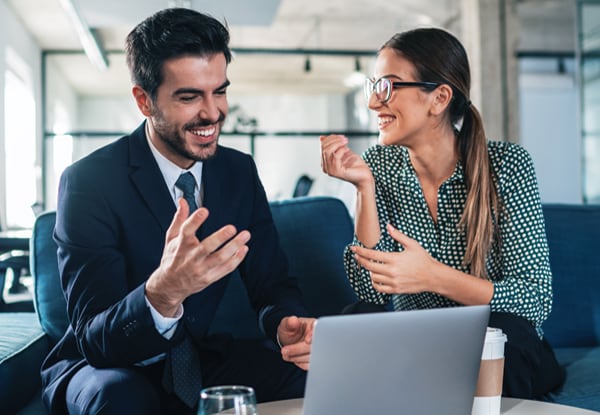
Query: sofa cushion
[
  {"x": 23, "y": 347},
  {"x": 573, "y": 233},
  {"x": 581, "y": 388},
  {"x": 313, "y": 232}
]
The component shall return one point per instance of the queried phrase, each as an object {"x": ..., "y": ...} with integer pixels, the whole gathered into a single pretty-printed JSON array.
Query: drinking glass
[{"x": 229, "y": 399}]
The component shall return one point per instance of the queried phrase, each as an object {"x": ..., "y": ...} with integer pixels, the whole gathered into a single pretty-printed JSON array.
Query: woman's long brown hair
[{"x": 439, "y": 57}]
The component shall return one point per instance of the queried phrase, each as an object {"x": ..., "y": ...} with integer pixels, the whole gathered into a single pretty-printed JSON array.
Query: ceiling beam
[{"x": 87, "y": 36}]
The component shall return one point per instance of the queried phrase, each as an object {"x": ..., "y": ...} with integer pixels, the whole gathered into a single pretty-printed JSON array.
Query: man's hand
[
  {"x": 189, "y": 265},
  {"x": 295, "y": 335}
]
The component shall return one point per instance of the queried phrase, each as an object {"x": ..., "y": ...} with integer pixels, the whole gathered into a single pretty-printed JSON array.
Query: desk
[
  {"x": 15, "y": 240},
  {"x": 510, "y": 406}
]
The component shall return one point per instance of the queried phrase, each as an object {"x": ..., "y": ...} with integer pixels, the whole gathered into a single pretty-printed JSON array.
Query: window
[
  {"x": 19, "y": 143},
  {"x": 589, "y": 60}
]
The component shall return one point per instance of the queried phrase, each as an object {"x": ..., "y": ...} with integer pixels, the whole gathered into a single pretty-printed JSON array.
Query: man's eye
[
  {"x": 221, "y": 91},
  {"x": 187, "y": 98}
]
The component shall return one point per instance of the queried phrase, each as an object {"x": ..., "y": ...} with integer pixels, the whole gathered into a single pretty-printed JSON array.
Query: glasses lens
[
  {"x": 383, "y": 89},
  {"x": 368, "y": 88}
]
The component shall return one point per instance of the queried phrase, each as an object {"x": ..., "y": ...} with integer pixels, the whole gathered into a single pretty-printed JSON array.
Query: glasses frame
[{"x": 370, "y": 86}]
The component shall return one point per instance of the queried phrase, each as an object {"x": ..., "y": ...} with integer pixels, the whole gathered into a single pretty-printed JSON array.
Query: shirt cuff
[{"x": 164, "y": 325}]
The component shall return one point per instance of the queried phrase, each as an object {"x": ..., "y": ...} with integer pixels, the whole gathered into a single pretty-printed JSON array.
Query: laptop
[{"x": 407, "y": 362}]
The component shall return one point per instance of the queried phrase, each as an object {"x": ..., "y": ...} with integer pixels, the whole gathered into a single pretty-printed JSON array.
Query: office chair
[
  {"x": 303, "y": 186},
  {"x": 17, "y": 262}
]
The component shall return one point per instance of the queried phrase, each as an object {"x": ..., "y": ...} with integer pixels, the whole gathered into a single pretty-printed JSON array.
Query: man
[{"x": 143, "y": 269}]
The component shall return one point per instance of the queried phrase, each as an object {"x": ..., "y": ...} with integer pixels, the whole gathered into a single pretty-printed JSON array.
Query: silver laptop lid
[{"x": 409, "y": 362}]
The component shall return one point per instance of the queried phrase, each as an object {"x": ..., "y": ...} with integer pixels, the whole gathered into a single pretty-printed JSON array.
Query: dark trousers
[
  {"x": 530, "y": 367},
  {"x": 138, "y": 390}
]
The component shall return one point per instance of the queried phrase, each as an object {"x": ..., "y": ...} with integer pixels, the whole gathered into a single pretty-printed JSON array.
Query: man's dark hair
[{"x": 168, "y": 34}]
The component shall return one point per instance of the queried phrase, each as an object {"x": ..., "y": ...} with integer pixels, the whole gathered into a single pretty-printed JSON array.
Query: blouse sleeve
[
  {"x": 359, "y": 277},
  {"x": 525, "y": 284}
]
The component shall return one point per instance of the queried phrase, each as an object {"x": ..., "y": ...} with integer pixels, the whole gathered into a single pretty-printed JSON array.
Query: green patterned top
[{"x": 519, "y": 266}]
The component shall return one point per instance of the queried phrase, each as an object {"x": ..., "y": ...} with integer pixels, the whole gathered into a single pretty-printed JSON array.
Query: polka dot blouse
[{"x": 519, "y": 266}]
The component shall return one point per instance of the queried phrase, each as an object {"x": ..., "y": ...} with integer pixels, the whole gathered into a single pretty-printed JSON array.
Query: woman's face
[{"x": 404, "y": 118}]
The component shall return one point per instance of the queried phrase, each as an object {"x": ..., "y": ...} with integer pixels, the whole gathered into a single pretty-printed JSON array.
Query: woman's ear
[
  {"x": 142, "y": 100},
  {"x": 442, "y": 98}
]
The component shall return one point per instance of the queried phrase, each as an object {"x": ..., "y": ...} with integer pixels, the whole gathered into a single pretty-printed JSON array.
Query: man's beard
[{"x": 171, "y": 137}]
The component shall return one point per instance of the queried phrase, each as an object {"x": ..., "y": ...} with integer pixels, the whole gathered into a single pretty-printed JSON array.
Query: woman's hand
[
  {"x": 337, "y": 160},
  {"x": 408, "y": 272},
  {"x": 414, "y": 271}
]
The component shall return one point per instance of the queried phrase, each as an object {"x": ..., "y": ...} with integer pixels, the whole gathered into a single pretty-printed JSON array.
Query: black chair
[
  {"x": 303, "y": 186},
  {"x": 17, "y": 262},
  {"x": 14, "y": 257}
]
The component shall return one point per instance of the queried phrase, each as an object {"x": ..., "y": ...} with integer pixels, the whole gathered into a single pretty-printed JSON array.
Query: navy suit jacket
[{"x": 113, "y": 211}]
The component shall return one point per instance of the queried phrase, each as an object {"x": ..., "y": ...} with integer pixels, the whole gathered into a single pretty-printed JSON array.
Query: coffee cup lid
[{"x": 495, "y": 334}]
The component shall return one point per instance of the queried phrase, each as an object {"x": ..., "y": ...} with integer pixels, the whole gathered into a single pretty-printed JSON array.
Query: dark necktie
[
  {"x": 182, "y": 367},
  {"x": 182, "y": 372},
  {"x": 187, "y": 184}
]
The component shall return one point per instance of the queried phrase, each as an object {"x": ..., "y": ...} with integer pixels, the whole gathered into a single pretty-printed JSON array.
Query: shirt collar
[{"x": 171, "y": 171}]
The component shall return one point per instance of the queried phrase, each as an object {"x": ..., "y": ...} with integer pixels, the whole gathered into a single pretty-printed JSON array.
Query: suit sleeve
[{"x": 105, "y": 303}]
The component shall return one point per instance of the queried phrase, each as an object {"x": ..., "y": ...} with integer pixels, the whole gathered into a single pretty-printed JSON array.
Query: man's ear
[
  {"x": 142, "y": 99},
  {"x": 442, "y": 99}
]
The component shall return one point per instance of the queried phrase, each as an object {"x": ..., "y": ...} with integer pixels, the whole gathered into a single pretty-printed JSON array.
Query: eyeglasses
[{"x": 383, "y": 87}]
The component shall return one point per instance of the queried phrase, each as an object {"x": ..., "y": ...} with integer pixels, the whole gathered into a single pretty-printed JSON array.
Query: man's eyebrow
[{"x": 181, "y": 91}]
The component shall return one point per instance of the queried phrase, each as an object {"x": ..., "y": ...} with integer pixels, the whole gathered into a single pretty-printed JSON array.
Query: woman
[{"x": 445, "y": 217}]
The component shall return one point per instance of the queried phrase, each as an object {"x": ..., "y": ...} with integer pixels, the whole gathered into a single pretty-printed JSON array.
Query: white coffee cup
[{"x": 491, "y": 372}]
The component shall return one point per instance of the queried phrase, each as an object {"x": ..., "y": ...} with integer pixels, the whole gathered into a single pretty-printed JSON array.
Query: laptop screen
[{"x": 407, "y": 362}]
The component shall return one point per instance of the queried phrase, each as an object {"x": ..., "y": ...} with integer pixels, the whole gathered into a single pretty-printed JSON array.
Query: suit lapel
[
  {"x": 213, "y": 178},
  {"x": 203, "y": 304},
  {"x": 148, "y": 180}
]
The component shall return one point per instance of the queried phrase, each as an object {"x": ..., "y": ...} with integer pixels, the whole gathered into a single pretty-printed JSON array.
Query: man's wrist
[{"x": 161, "y": 303}]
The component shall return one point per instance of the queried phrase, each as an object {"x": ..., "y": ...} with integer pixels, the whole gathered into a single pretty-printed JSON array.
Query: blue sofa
[
  {"x": 573, "y": 328},
  {"x": 314, "y": 232}
]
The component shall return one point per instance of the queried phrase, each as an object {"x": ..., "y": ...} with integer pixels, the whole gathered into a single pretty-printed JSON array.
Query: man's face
[{"x": 190, "y": 108}]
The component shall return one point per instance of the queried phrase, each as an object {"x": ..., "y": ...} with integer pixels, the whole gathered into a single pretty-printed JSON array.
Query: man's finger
[
  {"x": 222, "y": 238},
  {"x": 217, "y": 270},
  {"x": 229, "y": 249},
  {"x": 193, "y": 222},
  {"x": 179, "y": 218}
]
